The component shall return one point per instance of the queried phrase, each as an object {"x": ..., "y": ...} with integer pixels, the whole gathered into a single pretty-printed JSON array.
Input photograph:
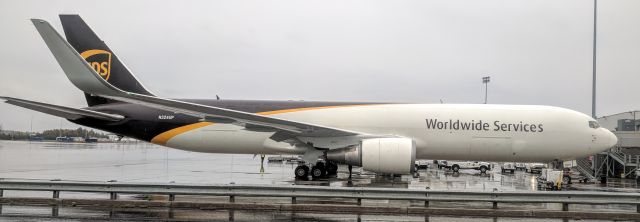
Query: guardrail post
[
  {"x": 54, "y": 211},
  {"x": 172, "y": 197},
  {"x": 113, "y": 196},
  {"x": 56, "y": 194},
  {"x": 565, "y": 207},
  {"x": 2, "y": 194},
  {"x": 293, "y": 200},
  {"x": 495, "y": 205},
  {"x": 232, "y": 199}
]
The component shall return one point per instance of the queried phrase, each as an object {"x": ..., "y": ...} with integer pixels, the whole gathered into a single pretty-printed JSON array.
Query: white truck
[
  {"x": 483, "y": 167},
  {"x": 508, "y": 167},
  {"x": 422, "y": 164},
  {"x": 521, "y": 166},
  {"x": 441, "y": 164},
  {"x": 535, "y": 167}
]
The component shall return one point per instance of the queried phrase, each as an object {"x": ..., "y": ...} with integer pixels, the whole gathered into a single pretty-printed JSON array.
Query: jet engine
[{"x": 381, "y": 155}]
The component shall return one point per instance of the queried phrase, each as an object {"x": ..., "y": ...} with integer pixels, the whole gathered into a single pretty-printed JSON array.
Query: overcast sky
[{"x": 536, "y": 51}]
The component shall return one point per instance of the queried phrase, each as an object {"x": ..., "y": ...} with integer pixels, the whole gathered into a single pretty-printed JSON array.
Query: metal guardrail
[{"x": 357, "y": 193}]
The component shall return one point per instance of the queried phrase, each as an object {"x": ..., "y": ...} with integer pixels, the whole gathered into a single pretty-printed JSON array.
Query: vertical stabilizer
[{"x": 100, "y": 58}]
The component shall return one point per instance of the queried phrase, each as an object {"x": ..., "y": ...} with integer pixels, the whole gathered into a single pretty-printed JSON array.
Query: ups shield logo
[{"x": 100, "y": 61}]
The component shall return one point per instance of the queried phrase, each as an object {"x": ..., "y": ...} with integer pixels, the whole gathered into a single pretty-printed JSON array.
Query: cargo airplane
[{"x": 379, "y": 137}]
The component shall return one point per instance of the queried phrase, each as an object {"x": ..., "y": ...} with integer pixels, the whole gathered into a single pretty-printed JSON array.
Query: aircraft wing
[
  {"x": 84, "y": 77},
  {"x": 61, "y": 111}
]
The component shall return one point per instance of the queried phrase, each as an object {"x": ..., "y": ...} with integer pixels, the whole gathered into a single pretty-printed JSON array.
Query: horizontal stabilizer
[{"x": 61, "y": 111}]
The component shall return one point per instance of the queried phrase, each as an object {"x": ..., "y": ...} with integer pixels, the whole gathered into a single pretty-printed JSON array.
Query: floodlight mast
[
  {"x": 593, "y": 86},
  {"x": 485, "y": 81}
]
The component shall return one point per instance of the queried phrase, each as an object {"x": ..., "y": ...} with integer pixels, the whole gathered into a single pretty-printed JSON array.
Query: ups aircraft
[{"x": 379, "y": 137}]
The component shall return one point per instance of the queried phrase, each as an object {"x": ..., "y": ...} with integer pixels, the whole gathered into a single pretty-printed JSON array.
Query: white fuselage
[{"x": 441, "y": 131}]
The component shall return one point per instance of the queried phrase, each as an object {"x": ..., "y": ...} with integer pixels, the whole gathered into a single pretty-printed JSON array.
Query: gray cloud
[{"x": 536, "y": 51}]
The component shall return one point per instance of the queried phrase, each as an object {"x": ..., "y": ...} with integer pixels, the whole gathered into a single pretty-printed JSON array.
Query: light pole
[
  {"x": 593, "y": 86},
  {"x": 485, "y": 81}
]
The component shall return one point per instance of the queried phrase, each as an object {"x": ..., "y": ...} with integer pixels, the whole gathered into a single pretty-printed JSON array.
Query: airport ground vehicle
[
  {"x": 441, "y": 163},
  {"x": 521, "y": 166},
  {"x": 422, "y": 164},
  {"x": 456, "y": 166},
  {"x": 508, "y": 167},
  {"x": 551, "y": 179},
  {"x": 535, "y": 167},
  {"x": 379, "y": 137},
  {"x": 569, "y": 175}
]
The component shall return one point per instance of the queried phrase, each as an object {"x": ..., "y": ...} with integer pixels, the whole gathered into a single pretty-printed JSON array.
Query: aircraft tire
[
  {"x": 318, "y": 171},
  {"x": 302, "y": 172},
  {"x": 483, "y": 169},
  {"x": 566, "y": 179},
  {"x": 455, "y": 168}
]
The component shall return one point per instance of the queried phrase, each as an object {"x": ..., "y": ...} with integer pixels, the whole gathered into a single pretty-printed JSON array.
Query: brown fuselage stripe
[
  {"x": 274, "y": 112},
  {"x": 161, "y": 139}
]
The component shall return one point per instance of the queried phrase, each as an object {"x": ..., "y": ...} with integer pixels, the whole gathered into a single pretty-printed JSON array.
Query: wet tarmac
[{"x": 143, "y": 162}]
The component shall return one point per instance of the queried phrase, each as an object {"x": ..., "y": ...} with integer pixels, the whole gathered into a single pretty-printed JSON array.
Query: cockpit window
[{"x": 594, "y": 124}]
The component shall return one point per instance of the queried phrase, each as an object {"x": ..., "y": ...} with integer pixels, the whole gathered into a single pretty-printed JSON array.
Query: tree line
[{"x": 51, "y": 134}]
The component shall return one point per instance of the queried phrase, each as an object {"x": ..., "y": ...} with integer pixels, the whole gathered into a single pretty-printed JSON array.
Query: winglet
[{"x": 74, "y": 66}]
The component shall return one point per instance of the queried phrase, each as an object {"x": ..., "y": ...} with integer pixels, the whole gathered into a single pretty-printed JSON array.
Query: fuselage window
[{"x": 594, "y": 124}]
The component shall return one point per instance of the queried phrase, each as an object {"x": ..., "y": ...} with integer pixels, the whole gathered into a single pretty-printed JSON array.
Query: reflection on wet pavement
[{"x": 143, "y": 162}]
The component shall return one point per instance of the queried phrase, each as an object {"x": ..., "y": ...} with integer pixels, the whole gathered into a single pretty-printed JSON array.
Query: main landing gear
[{"x": 317, "y": 171}]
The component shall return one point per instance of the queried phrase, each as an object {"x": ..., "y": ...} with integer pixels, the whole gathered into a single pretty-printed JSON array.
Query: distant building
[
  {"x": 624, "y": 158},
  {"x": 626, "y": 121},
  {"x": 626, "y": 126}
]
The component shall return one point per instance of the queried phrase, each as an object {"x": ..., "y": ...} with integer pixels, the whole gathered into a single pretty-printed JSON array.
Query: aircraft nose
[{"x": 612, "y": 139}]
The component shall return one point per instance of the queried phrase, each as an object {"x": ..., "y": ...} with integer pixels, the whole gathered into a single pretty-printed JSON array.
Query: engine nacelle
[{"x": 381, "y": 155}]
